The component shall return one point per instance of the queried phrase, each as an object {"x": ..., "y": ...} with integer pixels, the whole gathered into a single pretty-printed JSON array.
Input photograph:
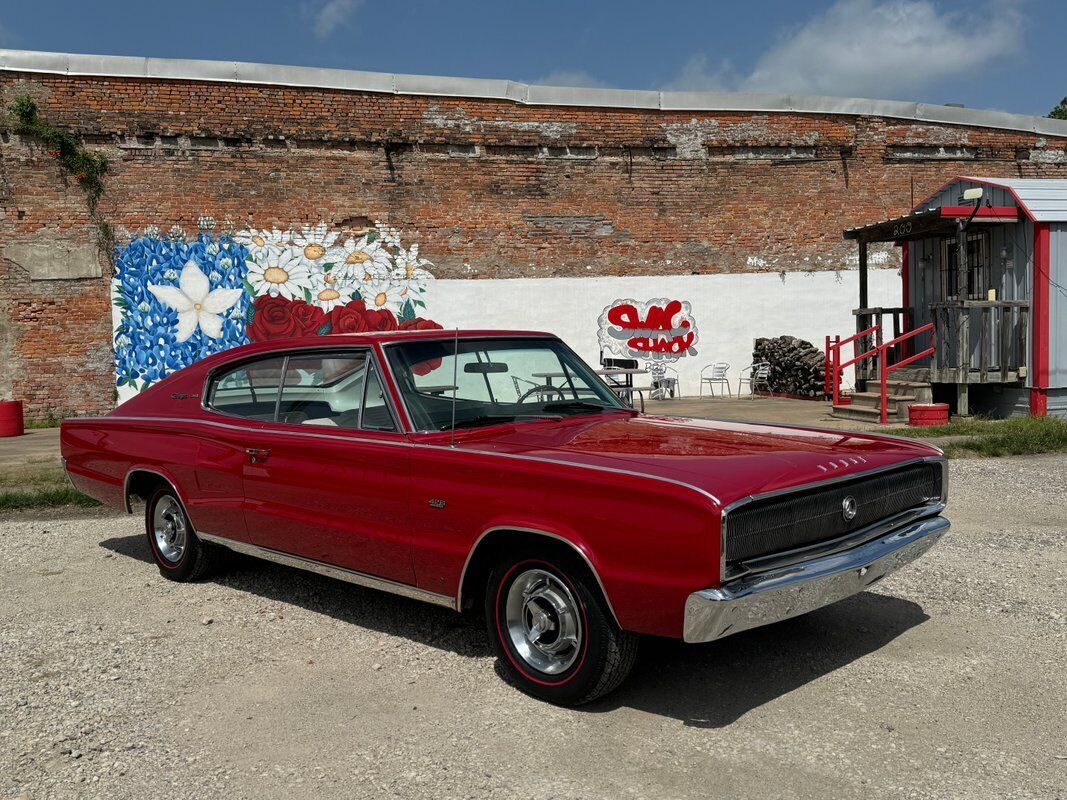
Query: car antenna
[{"x": 455, "y": 379}]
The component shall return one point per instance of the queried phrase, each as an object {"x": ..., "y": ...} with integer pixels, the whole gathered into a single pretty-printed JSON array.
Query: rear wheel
[
  {"x": 552, "y": 632},
  {"x": 180, "y": 554}
]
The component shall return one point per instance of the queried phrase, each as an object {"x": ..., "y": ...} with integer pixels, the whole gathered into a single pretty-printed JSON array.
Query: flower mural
[{"x": 176, "y": 300}]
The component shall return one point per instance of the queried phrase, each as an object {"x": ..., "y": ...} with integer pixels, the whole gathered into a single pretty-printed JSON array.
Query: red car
[{"x": 494, "y": 472}]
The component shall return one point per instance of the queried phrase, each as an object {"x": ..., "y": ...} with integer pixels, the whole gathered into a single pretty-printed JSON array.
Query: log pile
[{"x": 797, "y": 366}]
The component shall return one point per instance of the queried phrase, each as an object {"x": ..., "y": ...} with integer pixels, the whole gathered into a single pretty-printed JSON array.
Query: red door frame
[{"x": 1039, "y": 311}]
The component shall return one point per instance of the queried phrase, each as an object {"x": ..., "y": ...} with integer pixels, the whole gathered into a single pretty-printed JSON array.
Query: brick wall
[{"x": 487, "y": 188}]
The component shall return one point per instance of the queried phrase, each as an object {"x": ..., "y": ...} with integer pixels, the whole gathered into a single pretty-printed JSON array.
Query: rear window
[{"x": 250, "y": 390}]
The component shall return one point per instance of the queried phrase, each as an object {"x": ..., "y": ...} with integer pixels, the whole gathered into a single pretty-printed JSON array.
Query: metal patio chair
[
  {"x": 716, "y": 378},
  {"x": 759, "y": 375},
  {"x": 665, "y": 381}
]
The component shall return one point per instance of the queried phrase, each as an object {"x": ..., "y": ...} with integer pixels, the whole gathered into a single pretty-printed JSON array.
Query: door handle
[{"x": 257, "y": 455}]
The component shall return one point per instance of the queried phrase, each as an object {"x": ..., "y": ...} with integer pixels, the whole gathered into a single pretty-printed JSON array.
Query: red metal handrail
[
  {"x": 833, "y": 356},
  {"x": 885, "y": 368}
]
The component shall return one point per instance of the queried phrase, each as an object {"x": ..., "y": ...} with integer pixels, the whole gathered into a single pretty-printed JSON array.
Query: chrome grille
[{"x": 810, "y": 516}]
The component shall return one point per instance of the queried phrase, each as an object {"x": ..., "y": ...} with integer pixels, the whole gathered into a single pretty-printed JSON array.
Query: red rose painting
[{"x": 279, "y": 318}]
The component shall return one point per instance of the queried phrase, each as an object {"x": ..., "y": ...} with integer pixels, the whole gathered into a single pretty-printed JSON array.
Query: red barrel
[
  {"x": 924, "y": 414},
  {"x": 11, "y": 418}
]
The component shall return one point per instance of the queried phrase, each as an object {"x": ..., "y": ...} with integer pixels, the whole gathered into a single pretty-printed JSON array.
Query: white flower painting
[{"x": 198, "y": 306}]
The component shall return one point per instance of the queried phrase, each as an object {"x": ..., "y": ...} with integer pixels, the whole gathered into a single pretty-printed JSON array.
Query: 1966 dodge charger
[{"x": 494, "y": 472}]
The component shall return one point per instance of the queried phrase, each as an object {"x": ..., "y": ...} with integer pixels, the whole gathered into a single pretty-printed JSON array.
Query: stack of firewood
[{"x": 797, "y": 366}]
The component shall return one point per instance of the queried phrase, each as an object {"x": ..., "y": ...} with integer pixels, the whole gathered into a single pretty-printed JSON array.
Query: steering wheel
[{"x": 542, "y": 388}]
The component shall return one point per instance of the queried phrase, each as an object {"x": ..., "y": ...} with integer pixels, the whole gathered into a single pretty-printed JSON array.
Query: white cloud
[
  {"x": 872, "y": 48},
  {"x": 569, "y": 77},
  {"x": 698, "y": 76},
  {"x": 333, "y": 14}
]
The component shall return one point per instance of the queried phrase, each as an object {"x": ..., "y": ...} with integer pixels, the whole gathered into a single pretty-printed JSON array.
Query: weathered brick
[{"x": 487, "y": 188}]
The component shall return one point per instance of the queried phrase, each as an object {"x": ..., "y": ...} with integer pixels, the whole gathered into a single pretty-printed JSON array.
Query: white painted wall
[{"x": 730, "y": 310}]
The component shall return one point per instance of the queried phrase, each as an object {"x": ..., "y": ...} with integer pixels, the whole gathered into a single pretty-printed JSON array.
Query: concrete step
[
  {"x": 875, "y": 399},
  {"x": 866, "y": 413},
  {"x": 921, "y": 390}
]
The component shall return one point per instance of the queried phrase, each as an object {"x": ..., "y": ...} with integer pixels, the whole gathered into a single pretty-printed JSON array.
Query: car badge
[{"x": 848, "y": 508}]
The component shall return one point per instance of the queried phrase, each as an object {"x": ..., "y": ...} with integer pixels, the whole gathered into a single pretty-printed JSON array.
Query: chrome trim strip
[
  {"x": 285, "y": 355},
  {"x": 330, "y": 571},
  {"x": 408, "y": 443},
  {"x": 786, "y": 592},
  {"x": 539, "y": 532}
]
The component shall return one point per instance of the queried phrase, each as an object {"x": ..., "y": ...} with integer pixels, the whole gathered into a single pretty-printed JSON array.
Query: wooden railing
[
  {"x": 885, "y": 320},
  {"x": 979, "y": 341},
  {"x": 834, "y": 365}
]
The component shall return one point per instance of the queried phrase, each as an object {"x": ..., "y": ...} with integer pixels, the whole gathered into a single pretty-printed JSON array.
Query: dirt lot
[{"x": 949, "y": 681}]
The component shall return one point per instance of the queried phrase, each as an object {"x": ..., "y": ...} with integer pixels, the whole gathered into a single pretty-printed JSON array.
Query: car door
[
  {"x": 328, "y": 478},
  {"x": 239, "y": 399}
]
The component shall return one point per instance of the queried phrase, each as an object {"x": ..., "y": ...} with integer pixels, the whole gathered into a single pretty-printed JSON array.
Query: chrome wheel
[
  {"x": 169, "y": 529},
  {"x": 543, "y": 621}
]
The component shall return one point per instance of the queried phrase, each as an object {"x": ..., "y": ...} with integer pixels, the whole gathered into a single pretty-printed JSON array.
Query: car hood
[{"x": 729, "y": 460}]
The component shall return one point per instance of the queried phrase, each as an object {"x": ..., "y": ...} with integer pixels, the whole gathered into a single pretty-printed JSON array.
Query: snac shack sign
[{"x": 660, "y": 329}]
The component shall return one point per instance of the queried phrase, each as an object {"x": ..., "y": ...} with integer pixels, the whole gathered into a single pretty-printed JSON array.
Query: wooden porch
[{"x": 975, "y": 341}]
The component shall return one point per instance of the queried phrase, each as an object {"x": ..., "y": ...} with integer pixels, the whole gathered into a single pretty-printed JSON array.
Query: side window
[
  {"x": 323, "y": 389},
  {"x": 250, "y": 390},
  {"x": 376, "y": 416}
]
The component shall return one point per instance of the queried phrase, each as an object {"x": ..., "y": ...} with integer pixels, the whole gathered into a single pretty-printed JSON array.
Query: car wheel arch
[
  {"x": 141, "y": 482},
  {"x": 487, "y": 547}
]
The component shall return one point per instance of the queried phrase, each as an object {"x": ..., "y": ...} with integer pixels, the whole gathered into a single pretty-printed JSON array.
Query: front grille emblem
[{"x": 848, "y": 508}]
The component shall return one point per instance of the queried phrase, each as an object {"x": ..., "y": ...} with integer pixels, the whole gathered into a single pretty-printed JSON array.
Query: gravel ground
[{"x": 948, "y": 681}]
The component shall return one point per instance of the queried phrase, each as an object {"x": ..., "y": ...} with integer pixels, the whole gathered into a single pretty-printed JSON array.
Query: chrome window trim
[
  {"x": 329, "y": 570},
  {"x": 211, "y": 374},
  {"x": 539, "y": 532},
  {"x": 928, "y": 509},
  {"x": 285, "y": 355}
]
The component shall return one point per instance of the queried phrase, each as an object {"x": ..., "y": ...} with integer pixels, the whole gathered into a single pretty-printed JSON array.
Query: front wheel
[
  {"x": 552, "y": 632},
  {"x": 180, "y": 554}
]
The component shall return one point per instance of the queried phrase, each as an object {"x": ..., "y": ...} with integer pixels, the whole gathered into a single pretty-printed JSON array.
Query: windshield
[{"x": 495, "y": 380}]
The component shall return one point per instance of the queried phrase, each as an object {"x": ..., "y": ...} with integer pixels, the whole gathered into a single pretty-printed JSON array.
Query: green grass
[
  {"x": 997, "y": 437},
  {"x": 44, "y": 497},
  {"x": 39, "y": 487}
]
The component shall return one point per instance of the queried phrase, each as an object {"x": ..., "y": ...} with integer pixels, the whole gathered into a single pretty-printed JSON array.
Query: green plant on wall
[{"x": 86, "y": 167}]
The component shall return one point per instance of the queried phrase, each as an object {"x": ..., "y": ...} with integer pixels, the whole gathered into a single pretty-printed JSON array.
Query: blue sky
[{"x": 1006, "y": 54}]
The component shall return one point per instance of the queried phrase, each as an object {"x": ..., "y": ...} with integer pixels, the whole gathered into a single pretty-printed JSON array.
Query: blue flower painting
[{"x": 176, "y": 301}]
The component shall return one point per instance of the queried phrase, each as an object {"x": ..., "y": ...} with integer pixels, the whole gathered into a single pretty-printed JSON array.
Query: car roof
[{"x": 334, "y": 340}]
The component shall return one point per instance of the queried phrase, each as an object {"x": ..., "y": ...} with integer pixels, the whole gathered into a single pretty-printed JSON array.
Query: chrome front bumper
[{"x": 778, "y": 594}]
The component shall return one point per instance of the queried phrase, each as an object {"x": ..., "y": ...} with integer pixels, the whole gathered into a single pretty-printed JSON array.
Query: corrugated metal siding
[
  {"x": 949, "y": 195},
  {"x": 1057, "y": 403},
  {"x": 1044, "y": 198},
  {"x": 1011, "y": 283},
  {"x": 1057, "y": 306}
]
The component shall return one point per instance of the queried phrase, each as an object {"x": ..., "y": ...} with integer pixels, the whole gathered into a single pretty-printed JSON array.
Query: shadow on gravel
[
  {"x": 708, "y": 686},
  {"x": 712, "y": 685},
  {"x": 368, "y": 608}
]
